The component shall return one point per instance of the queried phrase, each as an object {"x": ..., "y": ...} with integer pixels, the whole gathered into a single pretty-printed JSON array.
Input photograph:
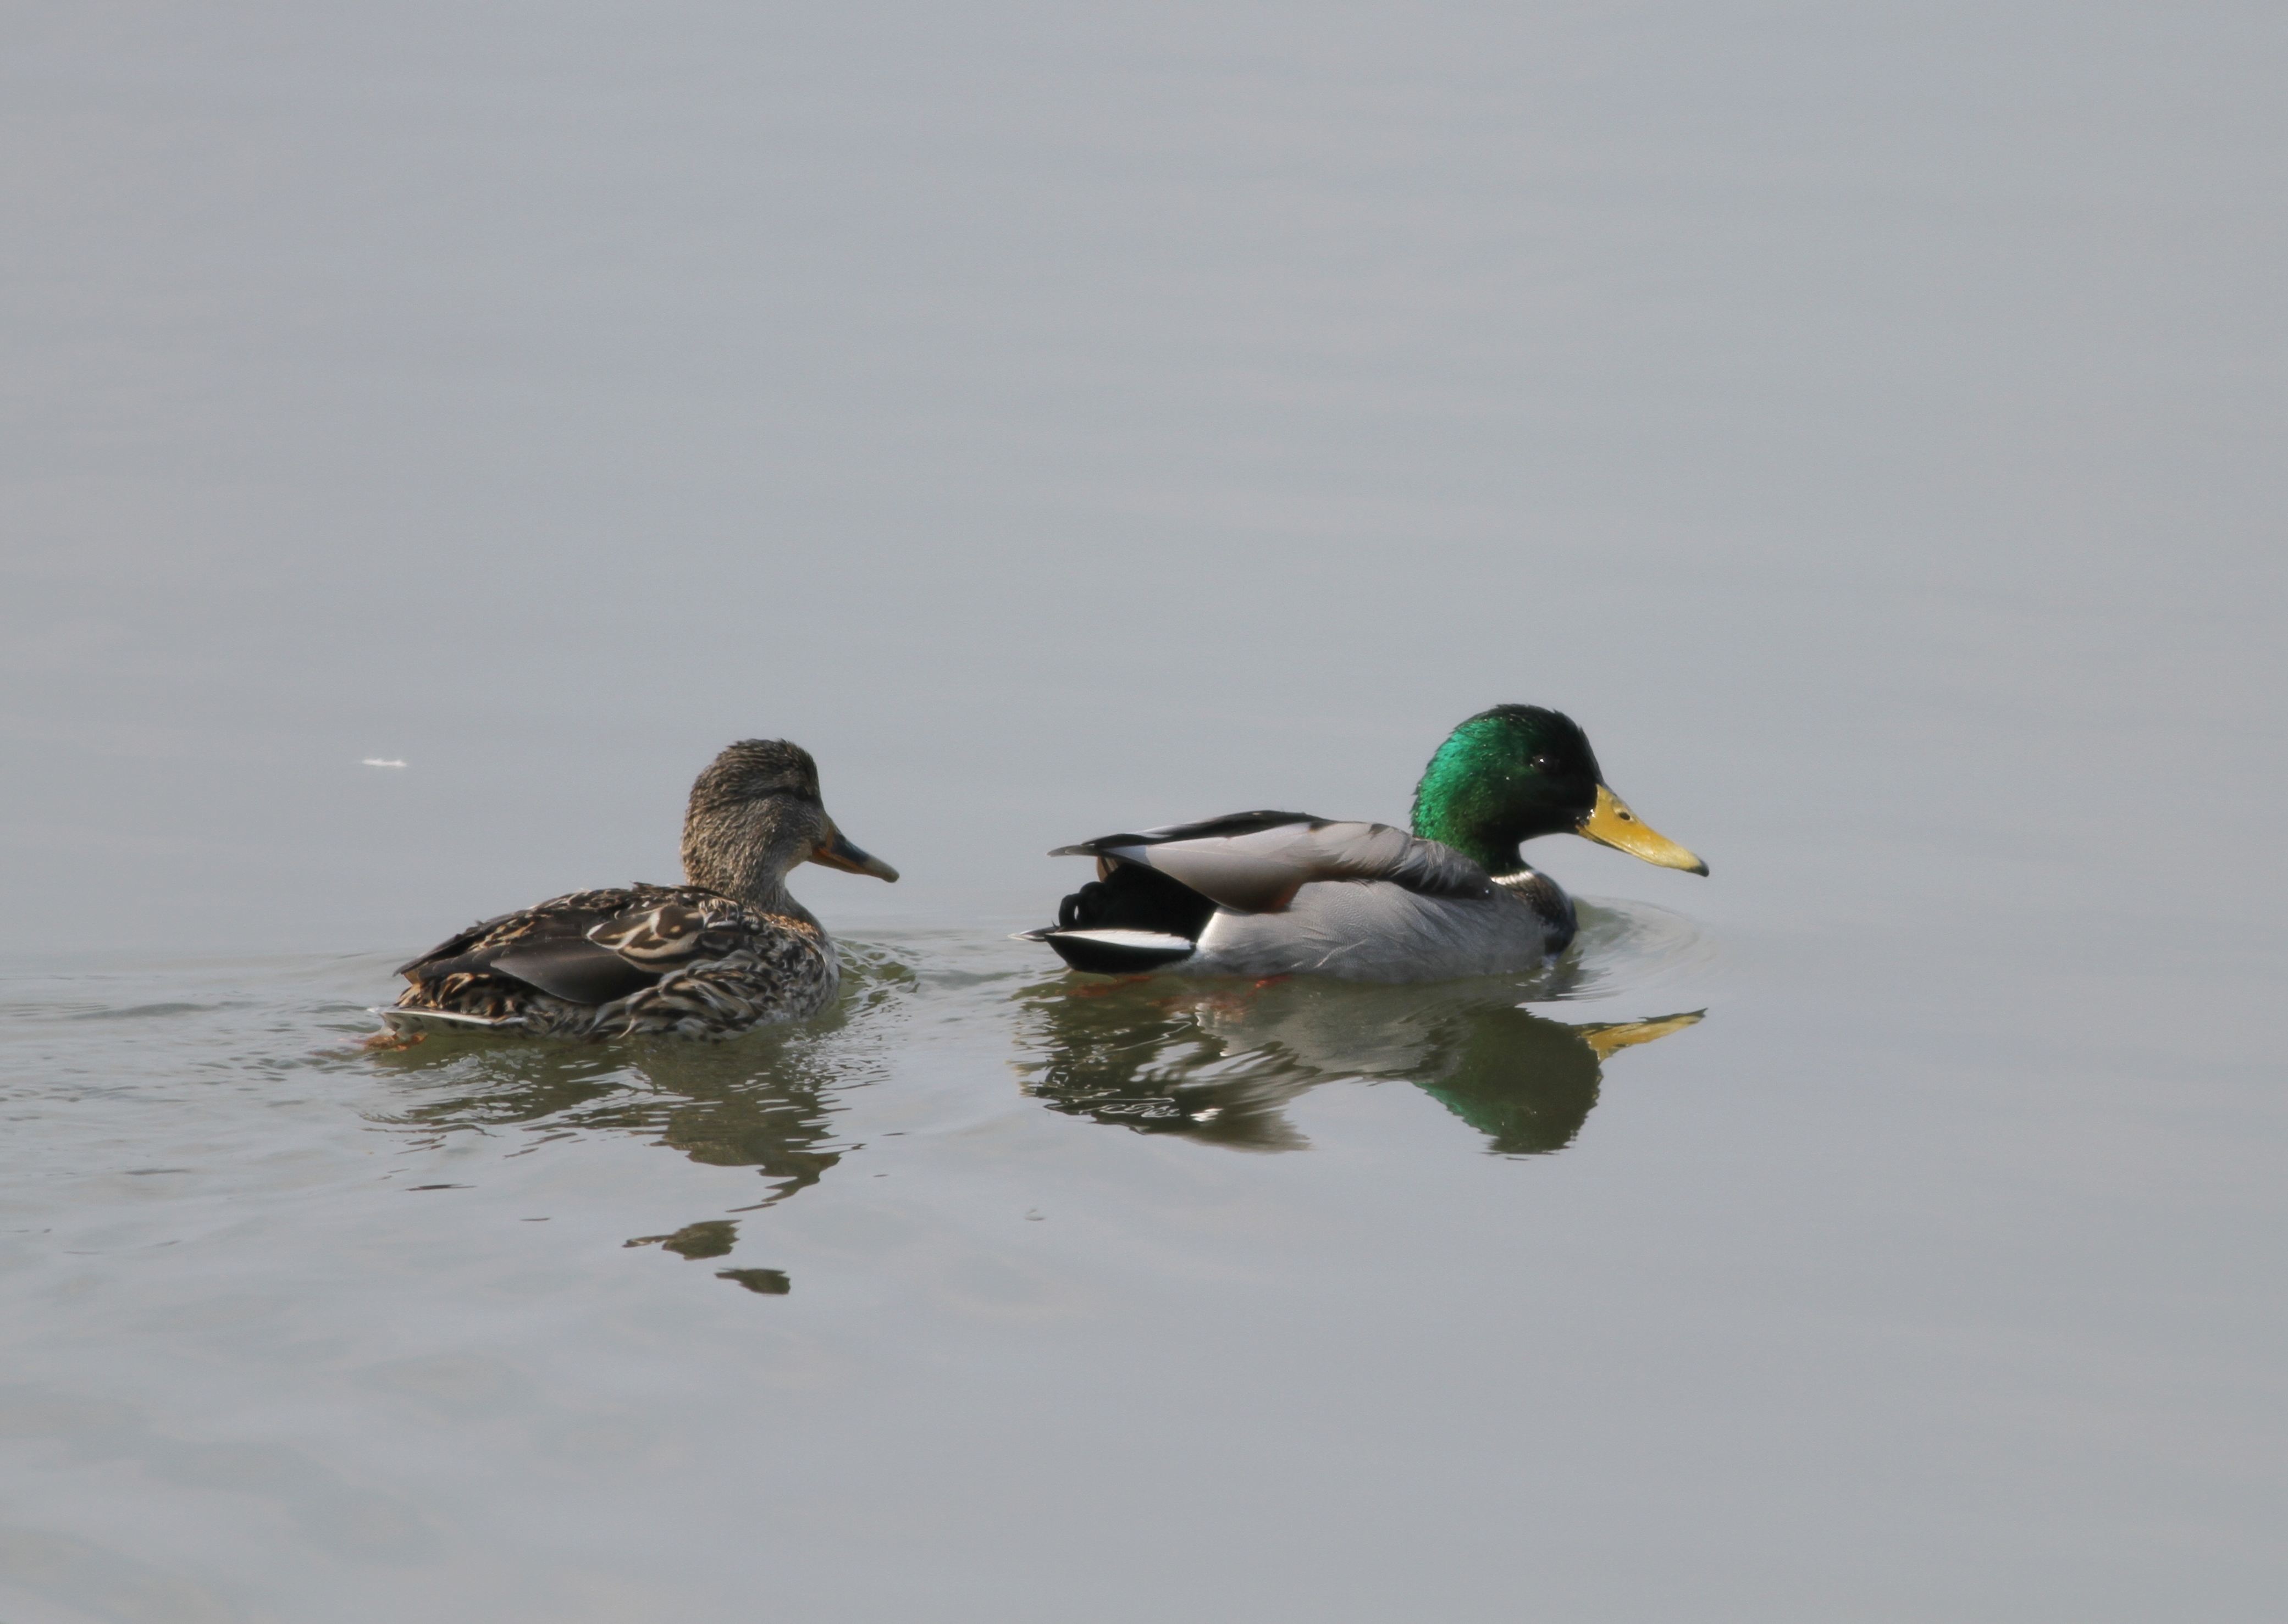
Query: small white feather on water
[{"x": 376, "y": 760}]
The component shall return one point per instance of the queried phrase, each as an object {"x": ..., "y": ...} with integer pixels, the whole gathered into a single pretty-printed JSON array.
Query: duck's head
[
  {"x": 755, "y": 813},
  {"x": 1518, "y": 771}
]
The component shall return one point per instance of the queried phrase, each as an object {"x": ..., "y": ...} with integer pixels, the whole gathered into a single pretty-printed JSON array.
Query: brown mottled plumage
[{"x": 728, "y": 950}]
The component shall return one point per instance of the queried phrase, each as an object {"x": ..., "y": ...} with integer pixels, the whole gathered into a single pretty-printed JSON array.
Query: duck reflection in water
[
  {"x": 1159, "y": 1055},
  {"x": 764, "y": 1101}
]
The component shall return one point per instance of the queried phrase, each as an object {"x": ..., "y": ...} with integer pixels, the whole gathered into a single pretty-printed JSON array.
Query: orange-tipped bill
[
  {"x": 1611, "y": 823},
  {"x": 836, "y": 852}
]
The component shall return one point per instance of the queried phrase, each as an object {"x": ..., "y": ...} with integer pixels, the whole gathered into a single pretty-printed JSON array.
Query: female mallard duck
[
  {"x": 726, "y": 950},
  {"x": 1271, "y": 893}
]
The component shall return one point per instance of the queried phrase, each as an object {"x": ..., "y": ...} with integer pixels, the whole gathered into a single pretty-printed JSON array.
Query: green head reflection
[{"x": 1218, "y": 1064}]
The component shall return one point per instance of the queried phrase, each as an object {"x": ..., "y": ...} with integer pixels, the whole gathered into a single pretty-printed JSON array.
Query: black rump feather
[{"x": 1134, "y": 898}]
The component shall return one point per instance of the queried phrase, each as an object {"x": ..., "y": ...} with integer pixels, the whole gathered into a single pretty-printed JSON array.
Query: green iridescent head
[{"x": 1515, "y": 771}]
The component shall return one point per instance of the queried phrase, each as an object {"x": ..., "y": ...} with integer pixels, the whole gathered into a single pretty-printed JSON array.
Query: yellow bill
[
  {"x": 1611, "y": 823},
  {"x": 1607, "y": 1037}
]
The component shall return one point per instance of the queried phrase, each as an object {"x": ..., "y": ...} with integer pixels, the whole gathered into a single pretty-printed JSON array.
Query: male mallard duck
[
  {"x": 1269, "y": 893},
  {"x": 726, "y": 950}
]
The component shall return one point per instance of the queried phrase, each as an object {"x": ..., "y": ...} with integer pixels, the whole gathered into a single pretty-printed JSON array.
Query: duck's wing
[
  {"x": 453, "y": 946},
  {"x": 591, "y": 947},
  {"x": 1255, "y": 862}
]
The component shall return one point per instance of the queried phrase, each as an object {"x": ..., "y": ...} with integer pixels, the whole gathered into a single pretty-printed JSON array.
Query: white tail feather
[{"x": 1155, "y": 939}]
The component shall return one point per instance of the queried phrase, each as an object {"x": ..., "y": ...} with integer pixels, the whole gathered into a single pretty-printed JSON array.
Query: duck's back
[
  {"x": 1277, "y": 893},
  {"x": 647, "y": 959}
]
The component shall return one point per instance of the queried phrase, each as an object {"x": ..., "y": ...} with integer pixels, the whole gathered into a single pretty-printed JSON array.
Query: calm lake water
[{"x": 1865, "y": 422}]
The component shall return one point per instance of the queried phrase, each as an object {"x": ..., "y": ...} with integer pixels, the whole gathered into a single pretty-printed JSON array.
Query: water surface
[{"x": 1862, "y": 421}]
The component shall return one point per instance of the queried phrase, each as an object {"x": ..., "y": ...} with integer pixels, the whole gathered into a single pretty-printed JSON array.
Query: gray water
[{"x": 1865, "y": 420}]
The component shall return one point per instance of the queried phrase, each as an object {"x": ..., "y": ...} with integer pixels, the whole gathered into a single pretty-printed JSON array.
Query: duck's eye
[{"x": 1541, "y": 763}]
